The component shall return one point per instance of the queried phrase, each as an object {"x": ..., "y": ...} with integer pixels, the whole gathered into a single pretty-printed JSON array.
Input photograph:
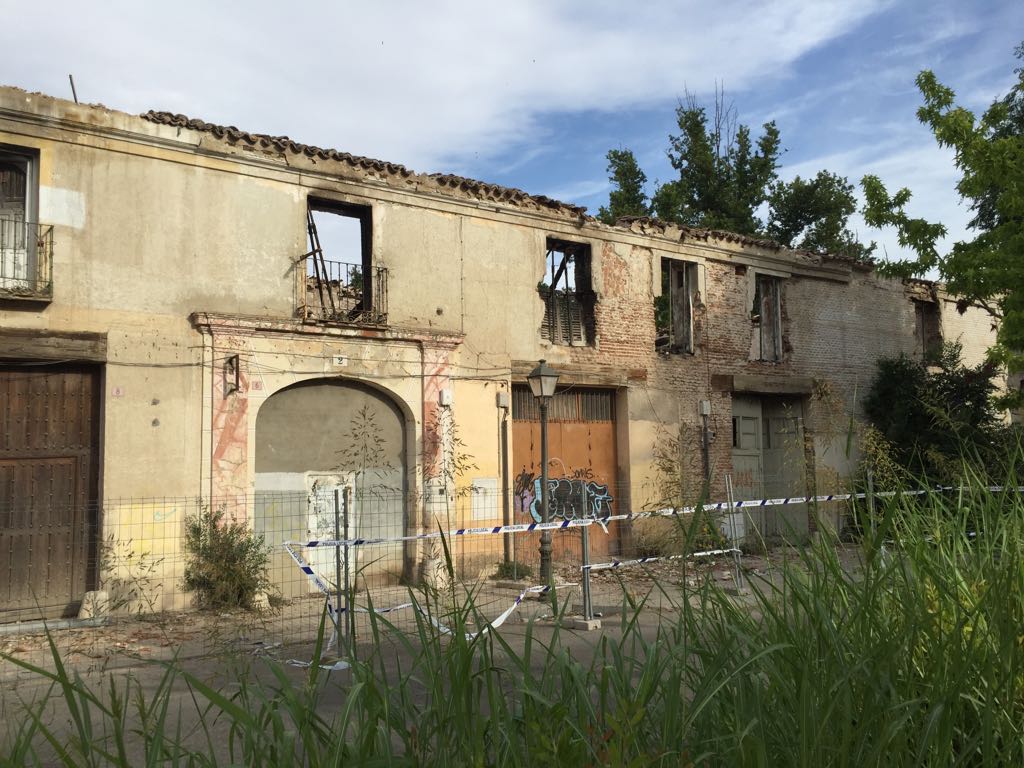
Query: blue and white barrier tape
[
  {"x": 720, "y": 506},
  {"x": 334, "y": 613},
  {"x": 498, "y": 621}
]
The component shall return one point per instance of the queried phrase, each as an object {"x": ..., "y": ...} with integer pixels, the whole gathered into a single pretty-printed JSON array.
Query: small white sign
[
  {"x": 486, "y": 503},
  {"x": 339, "y": 361}
]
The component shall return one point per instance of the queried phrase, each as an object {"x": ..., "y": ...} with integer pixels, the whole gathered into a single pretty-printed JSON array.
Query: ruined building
[{"x": 175, "y": 324}]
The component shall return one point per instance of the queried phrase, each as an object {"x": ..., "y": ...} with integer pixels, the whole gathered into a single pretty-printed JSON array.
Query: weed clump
[{"x": 226, "y": 564}]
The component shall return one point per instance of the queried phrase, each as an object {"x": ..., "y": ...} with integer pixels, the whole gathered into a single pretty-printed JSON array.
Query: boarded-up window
[
  {"x": 673, "y": 310},
  {"x": 567, "y": 294},
  {"x": 766, "y": 316}
]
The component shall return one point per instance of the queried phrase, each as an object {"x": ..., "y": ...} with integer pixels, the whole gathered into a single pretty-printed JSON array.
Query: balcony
[
  {"x": 339, "y": 292},
  {"x": 26, "y": 260}
]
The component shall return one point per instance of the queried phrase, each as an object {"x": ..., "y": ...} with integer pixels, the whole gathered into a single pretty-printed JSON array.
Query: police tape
[
  {"x": 602, "y": 522},
  {"x": 491, "y": 625},
  {"x": 335, "y": 612}
]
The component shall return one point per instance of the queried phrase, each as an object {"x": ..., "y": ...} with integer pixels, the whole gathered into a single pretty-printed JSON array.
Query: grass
[{"x": 915, "y": 659}]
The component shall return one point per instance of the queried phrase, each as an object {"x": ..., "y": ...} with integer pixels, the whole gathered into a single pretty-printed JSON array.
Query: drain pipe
[{"x": 704, "y": 407}]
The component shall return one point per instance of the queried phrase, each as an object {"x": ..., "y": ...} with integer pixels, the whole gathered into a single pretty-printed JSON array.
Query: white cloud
[
  {"x": 585, "y": 189},
  {"x": 913, "y": 161},
  {"x": 428, "y": 84}
]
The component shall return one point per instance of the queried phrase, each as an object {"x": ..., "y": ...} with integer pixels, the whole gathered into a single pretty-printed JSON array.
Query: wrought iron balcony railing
[
  {"x": 26, "y": 259},
  {"x": 334, "y": 291}
]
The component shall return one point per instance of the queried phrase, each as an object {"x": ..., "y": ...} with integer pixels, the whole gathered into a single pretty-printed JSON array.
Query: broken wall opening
[
  {"x": 568, "y": 295},
  {"x": 927, "y": 327},
  {"x": 339, "y": 280},
  {"x": 766, "y": 319},
  {"x": 673, "y": 309}
]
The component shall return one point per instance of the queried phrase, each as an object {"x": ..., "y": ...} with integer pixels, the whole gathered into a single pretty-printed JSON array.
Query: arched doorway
[{"x": 331, "y": 461}]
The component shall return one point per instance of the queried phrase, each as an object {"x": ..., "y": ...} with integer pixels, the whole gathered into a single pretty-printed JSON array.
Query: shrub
[
  {"x": 513, "y": 569},
  {"x": 936, "y": 412},
  {"x": 226, "y": 563}
]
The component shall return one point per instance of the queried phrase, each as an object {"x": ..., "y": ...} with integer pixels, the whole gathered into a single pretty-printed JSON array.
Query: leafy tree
[
  {"x": 724, "y": 175},
  {"x": 813, "y": 214},
  {"x": 627, "y": 197},
  {"x": 936, "y": 412},
  {"x": 988, "y": 270}
]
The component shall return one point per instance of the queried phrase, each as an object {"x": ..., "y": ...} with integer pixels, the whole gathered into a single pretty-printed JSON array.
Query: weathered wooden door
[
  {"x": 49, "y": 462},
  {"x": 784, "y": 466},
  {"x": 747, "y": 463},
  {"x": 767, "y": 462},
  {"x": 582, "y": 465}
]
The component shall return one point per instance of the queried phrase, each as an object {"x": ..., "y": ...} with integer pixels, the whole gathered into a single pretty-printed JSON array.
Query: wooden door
[
  {"x": 49, "y": 462},
  {"x": 582, "y": 462}
]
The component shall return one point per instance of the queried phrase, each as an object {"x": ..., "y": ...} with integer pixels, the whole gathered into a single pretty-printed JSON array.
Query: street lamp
[{"x": 542, "y": 383}]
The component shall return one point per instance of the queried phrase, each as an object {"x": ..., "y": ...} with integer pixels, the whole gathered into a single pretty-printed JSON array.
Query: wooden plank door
[{"x": 49, "y": 462}]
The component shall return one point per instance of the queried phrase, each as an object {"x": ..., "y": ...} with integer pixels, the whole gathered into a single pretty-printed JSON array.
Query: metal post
[
  {"x": 737, "y": 573},
  {"x": 546, "y": 572},
  {"x": 545, "y": 536},
  {"x": 338, "y": 614},
  {"x": 350, "y": 625},
  {"x": 588, "y": 608},
  {"x": 871, "y": 501}
]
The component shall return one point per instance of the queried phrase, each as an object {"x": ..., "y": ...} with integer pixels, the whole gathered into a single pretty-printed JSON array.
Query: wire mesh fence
[{"x": 194, "y": 576}]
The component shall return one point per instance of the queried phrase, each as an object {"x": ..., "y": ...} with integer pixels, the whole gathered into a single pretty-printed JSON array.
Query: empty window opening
[
  {"x": 25, "y": 246},
  {"x": 766, "y": 317},
  {"x": 340, "y": 281},
  {"x": 567, "y": 294},
  {"x": 928, "y": 326},
  {"x": 673, "y": 309}
]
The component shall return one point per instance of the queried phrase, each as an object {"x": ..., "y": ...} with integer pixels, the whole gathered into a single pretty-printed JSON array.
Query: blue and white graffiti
[{"x": 572, "y": 499}]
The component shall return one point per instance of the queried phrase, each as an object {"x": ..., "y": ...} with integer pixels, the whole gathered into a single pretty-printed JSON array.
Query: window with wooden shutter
[
  {"x": 766, "y": 316},
  {"x": 567, "y": 295},
  {"x": 673, "y": 309}
]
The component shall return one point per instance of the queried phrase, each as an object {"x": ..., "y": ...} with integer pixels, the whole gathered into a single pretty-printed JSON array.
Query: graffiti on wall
[{"x": 569, "y": 498}]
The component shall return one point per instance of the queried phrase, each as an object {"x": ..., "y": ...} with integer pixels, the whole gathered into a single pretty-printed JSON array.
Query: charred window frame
[
  {"x": 927, "y": 327},
  {"x": 341, "y": 286},
  {"x": 673, "y": 309},
  {"x": 766, "y": 316},
  {"x": 567, "y": 292}
]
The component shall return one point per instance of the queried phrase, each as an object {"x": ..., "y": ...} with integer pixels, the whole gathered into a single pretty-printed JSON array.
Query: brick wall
[{"x": 834, "y": 329}]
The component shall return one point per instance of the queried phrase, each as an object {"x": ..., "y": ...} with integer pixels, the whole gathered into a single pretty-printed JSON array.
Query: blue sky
[{"x": 532, "y": 94}]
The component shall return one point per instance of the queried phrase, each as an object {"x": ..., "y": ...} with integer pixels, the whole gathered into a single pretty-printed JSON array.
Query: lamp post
[{"x": 542, "y": 381}]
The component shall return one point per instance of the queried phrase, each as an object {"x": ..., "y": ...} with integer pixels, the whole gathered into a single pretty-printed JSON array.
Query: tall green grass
[{"x": 915, "y": 656}]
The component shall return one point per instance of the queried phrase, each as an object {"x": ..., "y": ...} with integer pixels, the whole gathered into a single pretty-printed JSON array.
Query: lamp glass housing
[{"x": 543, "y": 379}]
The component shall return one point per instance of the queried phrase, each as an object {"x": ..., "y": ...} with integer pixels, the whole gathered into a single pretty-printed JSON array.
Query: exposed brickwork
[{"x": 833, "y": 332}]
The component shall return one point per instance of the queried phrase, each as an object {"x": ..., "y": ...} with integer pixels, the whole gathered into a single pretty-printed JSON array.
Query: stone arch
[{"x": 322, "y": 439}]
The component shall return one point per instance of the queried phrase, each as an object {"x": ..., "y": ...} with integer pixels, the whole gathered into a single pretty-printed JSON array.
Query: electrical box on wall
[
  {"x": 503, "y": 400},
  {"x": 704, "y": 407},
  {"x": 444, "y": 397}
]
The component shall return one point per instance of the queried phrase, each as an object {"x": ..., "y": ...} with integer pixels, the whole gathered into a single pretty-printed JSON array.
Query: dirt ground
[
  {"x": 289, "y": 632},
  {"x": 215, "y": 647}
]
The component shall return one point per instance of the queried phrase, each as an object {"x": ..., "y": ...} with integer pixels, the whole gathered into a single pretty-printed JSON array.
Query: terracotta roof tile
[
  {"x": 462, "y": 186},
  {"x": 697, "y": 233}
]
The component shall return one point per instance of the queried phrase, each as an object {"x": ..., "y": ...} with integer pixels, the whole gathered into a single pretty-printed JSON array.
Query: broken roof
[
  {"x": 648, "y": 224},
  {"x": 471, "y": 187},
  {"x": 480, "y": 190}
]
